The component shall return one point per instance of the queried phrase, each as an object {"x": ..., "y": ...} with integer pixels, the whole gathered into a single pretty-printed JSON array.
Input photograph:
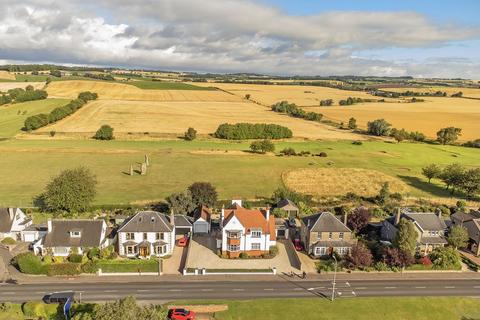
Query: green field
[
  {"x": 398, "y": 308},
  {"x": 27, "y": 165},
  {"x": 13, "y": 116}
]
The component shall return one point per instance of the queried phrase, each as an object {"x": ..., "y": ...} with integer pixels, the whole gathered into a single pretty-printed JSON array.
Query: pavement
[{"x": 278, "y": 287}]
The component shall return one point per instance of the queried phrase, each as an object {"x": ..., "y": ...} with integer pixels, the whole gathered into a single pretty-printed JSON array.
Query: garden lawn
[
  {"x": 12, "y": 116},
  {"x": 397, "y": 308},
  {"x": 133, "y": 265},
  {"x": 27, "y": 165}
]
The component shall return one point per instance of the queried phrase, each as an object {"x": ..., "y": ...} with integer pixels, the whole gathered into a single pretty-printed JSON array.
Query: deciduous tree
[
  {"x": 458, "y": 236},
  {"x": 448, "y": 135},
  {"x": 203, "y": 193},
  {"x": 406, "y": 238},
  {"x": 431, "y": 171}
]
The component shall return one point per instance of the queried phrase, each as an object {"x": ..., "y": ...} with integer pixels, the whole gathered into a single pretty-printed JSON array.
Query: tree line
[
  {"x": 455, "y": 177},
  {"x": 242, "y": 131},
  {"x": 40, "y": 120},
  {"x": 18, "y": 95},
  {"x": 294, "y": 111}
]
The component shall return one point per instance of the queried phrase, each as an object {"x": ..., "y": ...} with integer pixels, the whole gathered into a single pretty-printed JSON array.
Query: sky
[{"x": 421, "y": 38}]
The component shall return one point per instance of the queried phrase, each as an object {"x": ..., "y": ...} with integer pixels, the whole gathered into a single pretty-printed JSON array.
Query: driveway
[
  {"x": 202, "y": 256},
  {"x": 175, "y": 264}
]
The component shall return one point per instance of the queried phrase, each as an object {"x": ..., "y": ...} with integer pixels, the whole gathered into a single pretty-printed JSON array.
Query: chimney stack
[
  {"x": 345, "y": 215},
  {"x": 222, "y": 216},
  {"x": 172, "y": 218},
  {"x": 49, "y": 225},
  {"x": 268, "y": 214},
  {"x": 398, "y": 214},
  {"x": 11, "y": 213}
]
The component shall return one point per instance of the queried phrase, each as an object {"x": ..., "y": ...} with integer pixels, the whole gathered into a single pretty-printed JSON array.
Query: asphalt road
[{"x": 187, "y": 290}]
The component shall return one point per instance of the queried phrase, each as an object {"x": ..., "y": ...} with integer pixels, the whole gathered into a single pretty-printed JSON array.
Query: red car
[
  {"x": 298, "y": 245},
  {"x": 181, "y": 314},
  {"x": 183, "y": 242}
]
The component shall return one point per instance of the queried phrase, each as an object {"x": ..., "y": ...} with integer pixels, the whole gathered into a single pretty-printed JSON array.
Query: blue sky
[{"x": 421, "y": 38}]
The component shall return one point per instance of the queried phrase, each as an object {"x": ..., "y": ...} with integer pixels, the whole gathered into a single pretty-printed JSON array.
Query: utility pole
[{"x": 334, "y": 277}]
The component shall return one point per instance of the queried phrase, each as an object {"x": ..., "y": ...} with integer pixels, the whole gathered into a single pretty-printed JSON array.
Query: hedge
[
  {"x": 241, "y": 131},
  {"x": 112, "y": 266},
  {"x": 63, "y": 269},
  {"x": 294, "y": 111},
  {"x": 39, "y": 310},
  {"x": 31, "y": 95},
  {"x": 30, "y": 263}
]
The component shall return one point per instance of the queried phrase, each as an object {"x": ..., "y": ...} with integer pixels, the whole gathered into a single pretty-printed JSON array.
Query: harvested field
[
  {"x": 5, "y": 75},
  {"x": 300, "y": 95},
  {"x": 5, "y": 86},
  {"x": 429, "y": 116},
  {"x": 121, "y": 91},
  {"x": 321, "y": 182},
  {"x": 175, "y": 117}
]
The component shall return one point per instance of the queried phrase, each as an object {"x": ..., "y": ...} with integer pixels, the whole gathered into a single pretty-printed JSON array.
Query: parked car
[
  {"x": 292, "y": 223},
  {"x": 183, "y": 242},
  {"x": 298, "y": 244},
  {"x": 58, "y": 297},
  {"x": 181, "y": 314}
]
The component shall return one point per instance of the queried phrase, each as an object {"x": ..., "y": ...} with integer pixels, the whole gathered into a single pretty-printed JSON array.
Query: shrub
[
  {"x": 93, "y": 253},
  {"x": 75, "y": 258},
  {"x": 190, "y": 134},
  {"x": 381, "y": 266},
  {"x": 63, "y": 269},
  {"x": 379, "y": 127},
  {"x": 445, "y": 258},
  {"x": 262, "y": 146},
  {"x": 36, "y": 121},
  {"x": 47, "y": 259},
  {"x": 288, "y": 152},
  {"x": 52, "y": 133},
  {"x": 29, "y": 263},
  {"x": 292, "y": 110},
  {"x": 87, "y": 96},
  {"x": 243, "y": 255},
  {"x": 425, "y": 261},
  {"x": 31, "y": 95},
  {"x": 104, "y": 133},
  {"x": 34, "y": 310},
  {"x": 357, "y": 143},
  {"x": 322, "y": 154},
  {"x": 273, "y": 250},
  {"x": 242, "y": 131},
  {"x": 8, "y": 241},
  {"x": 89, "y": 267}
]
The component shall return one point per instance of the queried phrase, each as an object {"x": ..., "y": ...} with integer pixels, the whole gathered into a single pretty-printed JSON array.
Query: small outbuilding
[
  {"x": 202, "y": 220},
  {"x": 290, "y": 207}
]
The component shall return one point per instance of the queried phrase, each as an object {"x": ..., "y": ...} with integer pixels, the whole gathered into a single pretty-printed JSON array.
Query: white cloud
[{"x": 221, "y": 36}]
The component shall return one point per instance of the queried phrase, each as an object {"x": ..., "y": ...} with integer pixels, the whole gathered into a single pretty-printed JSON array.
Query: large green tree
[
  {"x": 431, "y": 171},
  {"x": 203, "y": 193},
  {"x": 470, "y": 184},
  {"x": 406, "y": 238},
  {"x": 458, "y": 237},
  {"x": 453, "y": 176},
  {"x": 379, "y": 127},
  {"x": 72, "y": 190},
  {"x": 448, "y": 135},
  {"x": 181, "y": 203}
]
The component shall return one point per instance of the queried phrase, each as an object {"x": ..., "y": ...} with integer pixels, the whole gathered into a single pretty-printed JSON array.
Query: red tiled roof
[{"x": 251, "y": 219}]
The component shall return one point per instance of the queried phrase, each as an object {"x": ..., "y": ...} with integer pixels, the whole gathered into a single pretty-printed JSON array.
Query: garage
[
  {"x": 202, "y": 218},
  {"x": 200, "y": 227},
  {"x": 182, "y": 225}
]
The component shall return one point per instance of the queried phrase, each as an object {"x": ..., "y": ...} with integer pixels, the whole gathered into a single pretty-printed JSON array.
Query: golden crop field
[
  {"x": 320, "y": 182},
  {"x": 6, "y": 75},
  {"x": 166, "y": 117},
  {"x": 427, "y": 117},
  {"x": 5, "y": 86},
  {"x": 467, "y": 92},
  {"x": 120, "y": 91},
  {"x": 300, "y": 95}
]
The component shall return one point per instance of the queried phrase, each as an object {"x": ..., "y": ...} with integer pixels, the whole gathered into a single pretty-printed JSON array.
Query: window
[
  {"x": 319, "y": 236},
  {"x": 145, "y": 236},
  {"x": 130, "y": 236},
  {"x": 340, "y": 235},
  {"x": 342, "y": 250},
  {"x": 233, "y": 247},
  {"x": 234, "y": 234},
  {"x": 330, "y": 235},
  {"x": 255, "y": 246},
  {"x": 130, "y": 249},
  {"x": 320, "y": 251},
  {"x": 256, "y": 233},
  {"x": 161, "y": 249},
  {"x": 75, "y": 234},
  {"x": 159, "y": 236}
]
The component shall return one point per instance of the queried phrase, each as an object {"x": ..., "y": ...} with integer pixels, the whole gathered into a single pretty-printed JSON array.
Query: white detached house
[
  {"x": 12, "y": 222},
  {"x": 147, "y": 233}
]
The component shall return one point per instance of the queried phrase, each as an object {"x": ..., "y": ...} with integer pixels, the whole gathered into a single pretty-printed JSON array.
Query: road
[{"x": 186, "y": 290}]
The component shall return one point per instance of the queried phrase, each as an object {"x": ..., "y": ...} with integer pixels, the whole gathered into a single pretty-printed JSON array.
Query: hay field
[
  {"x": 5, "y": 86},
  {"x": 427, "y": 117},
  {"x": 166, "y": 117},
  {"x": 320, "y": 182},
  {"x": 467, "y": 92},
  {"x": 120, "y": 91},
  {"x": 6, "y": 75},
  {"x": 300, "y": 95}
]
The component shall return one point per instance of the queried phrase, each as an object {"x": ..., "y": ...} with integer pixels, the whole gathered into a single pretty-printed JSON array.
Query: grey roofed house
[
  {"x": 324, "y": 222},
  {"x": 147, "y": 221},
  {"x": 181, "y": 220},
  {"x": 289, "y": 206},
  {"x": 59, "y": 235},
  {"x": 427, "y": 220},
  {"x": 471, "y": 222}
]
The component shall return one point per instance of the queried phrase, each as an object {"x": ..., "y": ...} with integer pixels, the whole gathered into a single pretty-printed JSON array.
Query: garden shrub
[
  {"x": 93, "y": 253},
  {"x": 47, "y": 259},
  {"x": 89, "y": 267},
  {"x": 63, "y": 269},
  {"x": 243, "y": 255},
  {"x": 273, "y": 250},
  {"x": 75, "y": 258},
  {"x": 29, "y": 263}
]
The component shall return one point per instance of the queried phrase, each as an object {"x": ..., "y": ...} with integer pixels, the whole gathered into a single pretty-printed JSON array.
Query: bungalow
[
  {"x": 430, "y": 229},
  {"x": 12, "y": 222},
  {"x": 147, "y": 233},
  {"x": 72, "y": 235},
  {"x": 245, "y": 230},
  {"x": 471, "y": 222},
  {"x": 323, "y": 234},
  {"x": 202, "y": 219},
  {"x": 290, "y": 207}
]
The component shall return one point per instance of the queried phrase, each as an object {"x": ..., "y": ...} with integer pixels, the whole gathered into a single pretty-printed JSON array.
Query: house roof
[
  {"x": 147, "y": 221},
  {"x": 91, "y": 233},
  {"x": 426, "y": 220},
  {"x": 324, "y": 222},
  {"x": 5, "y": 221},
  {"x": 286, "y": 204},
  {"x": 202, "y": 212},
  {"x": 433, "y": 240},
  {"x": 36, "y": 227},
  {"x": 251, "y": 219},
  {"x": 333, "y": 243},
  {"x": 181, "y": 220}
]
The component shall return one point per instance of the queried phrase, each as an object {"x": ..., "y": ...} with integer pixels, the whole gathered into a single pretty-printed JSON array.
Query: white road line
[
  {"x": 360, "y": 288},
  {"x": 207, "y": 290},
  {"x": 110, "y": 291},
  {"x": 143, "y": 290},
  {"x": 316, "y": 288},
  {"x": 298, "y": 289},
  {"x": 174, "y": 290},
  {"x": 449, "y": 287},
  {"x": 477, "y": 287},
  {"x": 420, "y": 287},
  {"x": 268, "y": 289},
  {"x": 390, "y": 287},
  {"x": 238, "y": 289}
]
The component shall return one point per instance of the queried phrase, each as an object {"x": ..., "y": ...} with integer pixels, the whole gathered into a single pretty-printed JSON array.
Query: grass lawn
[
  {"x": 13, "y": 116},
  {"x": 160, "y": 85},
  {"x": 128, "y": 265},
  {"x": 398, "y": 308},
  {"x": 13, "y": 312},
  {"x": 27, "y": 165}
]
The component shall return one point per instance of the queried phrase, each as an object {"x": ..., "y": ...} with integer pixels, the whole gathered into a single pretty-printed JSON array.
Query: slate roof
[
  {"x": 147, "y": 221},
  {"x": 5, "y": 221},
  {"x": 433, "y": 240},
  {"x": 426, "y": 220},
  {"x": 182, "y": 221},
  {"x": 286, "y": 204},
  {"x": 324, "y": 222},
  {"x": 91, "y": 233}
]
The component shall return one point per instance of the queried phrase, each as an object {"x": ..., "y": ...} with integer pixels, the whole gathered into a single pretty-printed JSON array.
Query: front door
[{"x": 143, "y": 251}]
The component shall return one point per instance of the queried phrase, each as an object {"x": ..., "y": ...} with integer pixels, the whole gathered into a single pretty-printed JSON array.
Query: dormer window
[
  {"x": 256, "y": 233},
  {"x": 75, "y": 234}
]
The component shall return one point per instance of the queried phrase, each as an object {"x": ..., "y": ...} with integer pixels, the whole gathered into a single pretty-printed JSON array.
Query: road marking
[
  {"x": 268, "y": 289},
  {"x": 207, "y": 290},
  {"x": 298, "y": 289},
  {"x": 110, "y": 291},
  {"x": 420, "y": 287},
  {"x": 361, "y": 288},
  {"x": 143, "y": 290},
  {"x": 316, "y": 288},
  {"x": 238, "y": 289},
  {"x": 175, "y": 290},
  {"x": 390, "y": 287},
  {"x": 449, "y": 287},
  {"x": 477, "y": 287}
]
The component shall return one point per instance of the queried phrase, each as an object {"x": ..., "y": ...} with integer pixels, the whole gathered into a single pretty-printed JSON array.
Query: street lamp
[{"x": 334, "y": 277}]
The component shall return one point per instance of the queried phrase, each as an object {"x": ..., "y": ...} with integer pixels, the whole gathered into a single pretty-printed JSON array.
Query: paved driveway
[
  {"x": 176, "y": 262},
  {"x": 202, "y": 256}
]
